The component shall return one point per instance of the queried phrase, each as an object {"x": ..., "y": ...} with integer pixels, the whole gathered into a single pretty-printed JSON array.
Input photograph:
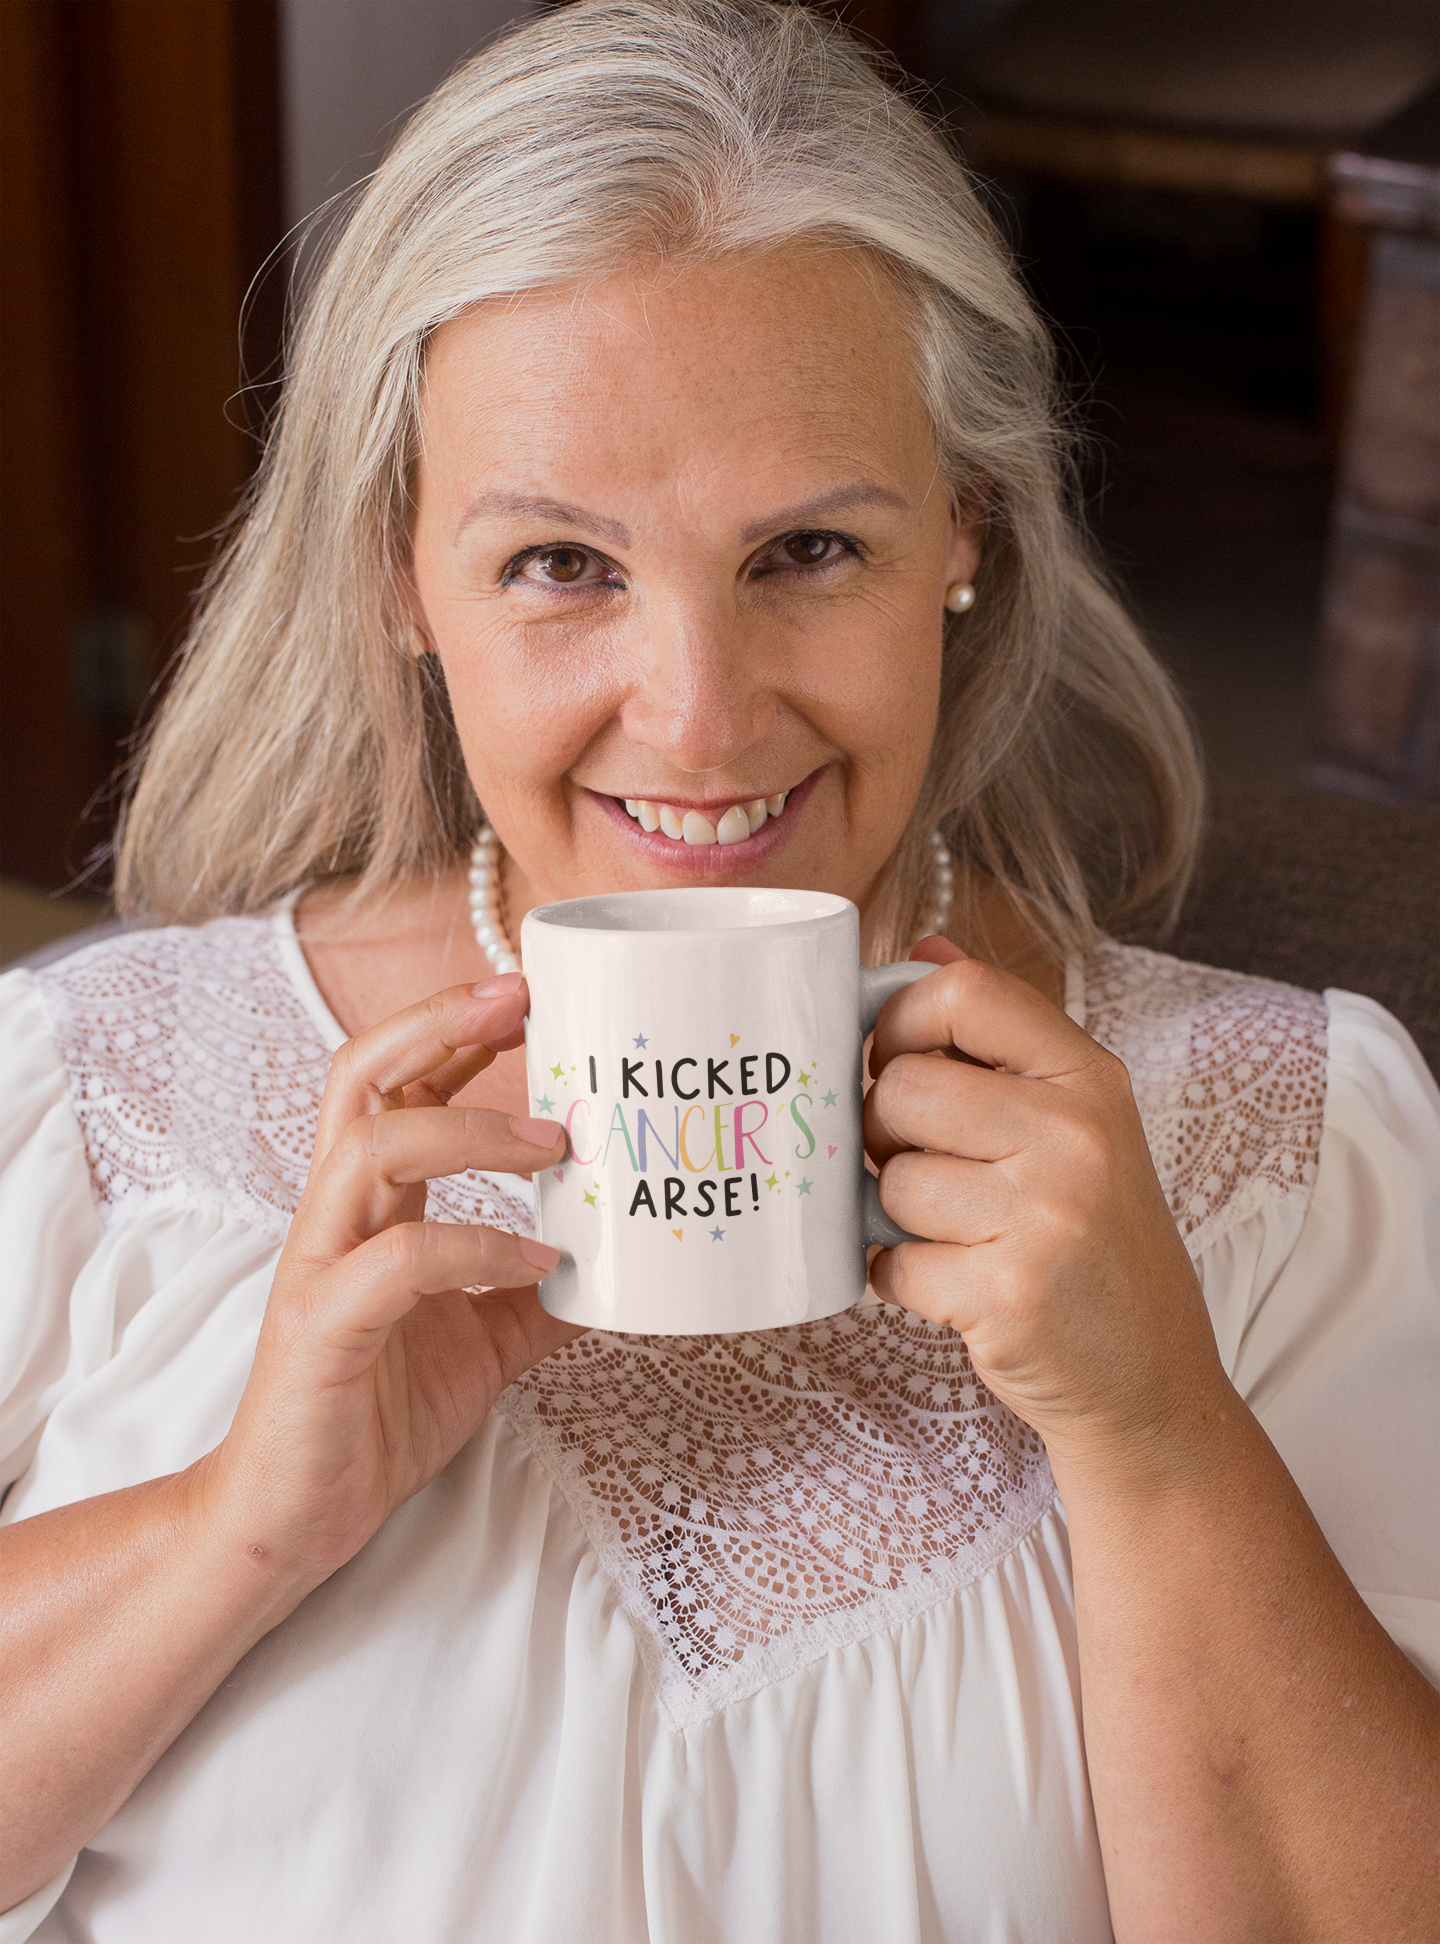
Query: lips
[
  {"x": 705, "y": 858},
  {"x": 733, "y": 826}
]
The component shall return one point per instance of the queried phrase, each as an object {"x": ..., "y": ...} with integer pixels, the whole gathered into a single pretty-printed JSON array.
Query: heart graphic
[
  {"x": 559, "y": 1174},
  {"x": 833, "y": 1153},
  {"x": 734, "y": 1039},
  {"x": 679, "y": 1234}
]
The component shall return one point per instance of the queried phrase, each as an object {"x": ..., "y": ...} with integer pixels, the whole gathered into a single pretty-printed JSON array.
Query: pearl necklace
[
  {"x": 490, "y": 933},
  {"x": 494, "y": 941}
]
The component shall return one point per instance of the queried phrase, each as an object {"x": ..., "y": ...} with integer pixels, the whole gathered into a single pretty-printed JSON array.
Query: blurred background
[{"x": 1228, "y": 209}]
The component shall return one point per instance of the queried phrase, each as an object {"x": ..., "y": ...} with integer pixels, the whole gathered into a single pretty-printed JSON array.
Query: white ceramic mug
[{"x": 702, "y": 1048}]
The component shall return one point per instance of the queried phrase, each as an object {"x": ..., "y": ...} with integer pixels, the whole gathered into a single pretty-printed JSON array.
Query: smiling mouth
[{"x": 733, "y": 826}]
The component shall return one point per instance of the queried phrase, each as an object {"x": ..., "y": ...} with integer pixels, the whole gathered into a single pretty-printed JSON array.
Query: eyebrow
[
  {"x": 840, "y": 499},
  {"x": 523, "y": 506}
]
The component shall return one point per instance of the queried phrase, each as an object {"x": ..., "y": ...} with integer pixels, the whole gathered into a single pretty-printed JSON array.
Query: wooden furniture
[
  {"x": 1378, "y": 683},
  {"x": 1304, "y": 102},
  {"x": 1236, "y": 97}
]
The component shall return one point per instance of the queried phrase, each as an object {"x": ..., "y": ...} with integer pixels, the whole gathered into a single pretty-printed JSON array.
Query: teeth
[{"x": 740, "y": 821}]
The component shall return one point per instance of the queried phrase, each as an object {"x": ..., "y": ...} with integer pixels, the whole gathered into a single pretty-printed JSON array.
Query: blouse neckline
[{"x": 297, "y": 971}]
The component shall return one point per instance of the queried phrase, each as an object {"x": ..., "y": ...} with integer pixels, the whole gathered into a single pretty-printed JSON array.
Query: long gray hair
[{"x": 304, "y": 738}]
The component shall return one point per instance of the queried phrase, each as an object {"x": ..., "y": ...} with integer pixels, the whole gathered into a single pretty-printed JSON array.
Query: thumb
[{"x": 935, "y": 950}]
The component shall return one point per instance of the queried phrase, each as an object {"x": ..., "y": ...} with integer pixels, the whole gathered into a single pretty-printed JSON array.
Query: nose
[{"x": 703, "y": 686}]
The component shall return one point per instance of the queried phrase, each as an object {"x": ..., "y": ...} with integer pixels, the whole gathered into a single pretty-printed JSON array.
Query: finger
[
  {"x": 370, "y": 1072},
  {"x": 360, "y": 1185},
  {"x": 992, "y": 1015},
  {"x": 385, "y": 1277},
  {"x": 935, "y": 950},
  {"x": 439, "y": 1087},
  {"x": 521, "y": 1329},
  {"x": 922, "y": 1102},
  {"x": 933, "y": 1279},
  {"x": 943, "y": 1198}
]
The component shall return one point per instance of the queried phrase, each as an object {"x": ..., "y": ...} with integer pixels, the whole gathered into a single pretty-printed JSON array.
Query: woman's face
[{"x": 681, "y": 545}]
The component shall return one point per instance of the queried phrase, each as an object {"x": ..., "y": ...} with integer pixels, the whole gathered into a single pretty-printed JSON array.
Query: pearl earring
[{"x": 959, "y": 597}]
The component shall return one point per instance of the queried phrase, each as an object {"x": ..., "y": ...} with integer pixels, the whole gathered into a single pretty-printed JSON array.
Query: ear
[
  {"x": 967, "y": 533},
  {"x": 417, "y": 640}
]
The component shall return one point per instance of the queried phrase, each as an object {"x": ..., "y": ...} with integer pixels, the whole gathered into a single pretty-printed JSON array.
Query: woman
[{"x": 668, "y": 448}]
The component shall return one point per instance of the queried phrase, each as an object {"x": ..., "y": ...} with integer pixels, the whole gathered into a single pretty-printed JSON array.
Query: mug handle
[
  {"x": 877, "y": 984},
  {"x": 881, "y": 982}
]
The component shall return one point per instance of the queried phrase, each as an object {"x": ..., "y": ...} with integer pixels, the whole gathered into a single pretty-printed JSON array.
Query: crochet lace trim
[
  {"x": 759, "y": 1501},
  {"x": 1228, "y": 1073},
  {"x": 196, "y": 1075}
]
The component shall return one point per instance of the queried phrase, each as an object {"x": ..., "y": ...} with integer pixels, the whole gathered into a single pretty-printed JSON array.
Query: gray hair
[{"x": 303, "y": 737}]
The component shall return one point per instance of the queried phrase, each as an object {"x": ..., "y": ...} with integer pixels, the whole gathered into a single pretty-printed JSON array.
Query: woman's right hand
[
  {"x": 380, "y": 1352},
  {"x": 124, "y": 1613}
]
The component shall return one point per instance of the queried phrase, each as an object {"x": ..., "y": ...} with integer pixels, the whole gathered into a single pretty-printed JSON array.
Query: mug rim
[{"x": 585, "y": 915}]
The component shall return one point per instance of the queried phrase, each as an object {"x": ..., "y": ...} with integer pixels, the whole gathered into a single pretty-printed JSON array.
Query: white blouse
[{"x": 760, "y": 1639}]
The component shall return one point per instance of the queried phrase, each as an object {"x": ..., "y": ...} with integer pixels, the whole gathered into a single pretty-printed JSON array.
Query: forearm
[
  {"x": 1263, "y": 1758},
  {"x": 121, "y": 1617}
]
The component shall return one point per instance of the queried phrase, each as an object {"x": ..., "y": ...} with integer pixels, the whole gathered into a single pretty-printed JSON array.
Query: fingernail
[
  {"x": 539, "y": 1254},
  {"x": 535, "y": 1133},
  {"x": 500, "y": 987}
]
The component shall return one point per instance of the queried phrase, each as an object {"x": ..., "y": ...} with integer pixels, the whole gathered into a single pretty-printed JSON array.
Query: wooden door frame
[{"x": 142, "y": 191}]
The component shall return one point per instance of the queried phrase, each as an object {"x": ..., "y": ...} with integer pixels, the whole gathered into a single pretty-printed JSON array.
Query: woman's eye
[
  {"x": 558, "y": 567},
  {"x": 807, "y": 550}
]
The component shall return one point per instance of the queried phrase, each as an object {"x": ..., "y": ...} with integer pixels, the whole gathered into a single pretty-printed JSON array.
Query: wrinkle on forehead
[{"x": 792, "y": 349}]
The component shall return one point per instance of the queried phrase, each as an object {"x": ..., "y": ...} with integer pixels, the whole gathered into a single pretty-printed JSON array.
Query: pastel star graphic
[
  {"x": 591, "y": 1199},
  {"x": 771, "y": 1182},
  {"x": 830, "y": 1099},
  {"x": 544, "y": 1105},
  {"x": 640, "y": 1040},
  {"x": 803, "y": 1078},
  {"x": 803, "y": 1186},
  {"x": 558, "y": 1070},
  {"x": 717, "y": 1235},
  {"x": 787, "y": 1174}
]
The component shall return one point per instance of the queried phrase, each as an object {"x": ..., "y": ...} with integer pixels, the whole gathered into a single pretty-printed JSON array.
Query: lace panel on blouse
[
  {"x": 196, "y": 1075},
  {"x": 1228, "y": 1073},
  {"x": 757, "y": 1501},
  {"x": 760, "y": 1500}
]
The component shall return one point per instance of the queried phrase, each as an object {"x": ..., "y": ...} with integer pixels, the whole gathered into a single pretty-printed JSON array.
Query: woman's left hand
[
  {"x": 1257, "y": 1747},
  {"x": 1051, "y": 1249}
]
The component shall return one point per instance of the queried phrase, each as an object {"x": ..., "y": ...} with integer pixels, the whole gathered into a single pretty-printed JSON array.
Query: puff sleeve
[{"x": 1330, "y": 1327}]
